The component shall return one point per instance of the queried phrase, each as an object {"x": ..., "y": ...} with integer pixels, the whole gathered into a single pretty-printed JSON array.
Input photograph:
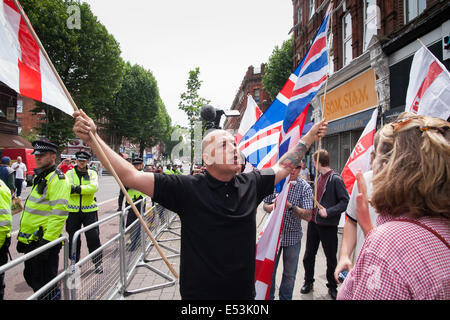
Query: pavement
[{"x": 145, "y": 278}]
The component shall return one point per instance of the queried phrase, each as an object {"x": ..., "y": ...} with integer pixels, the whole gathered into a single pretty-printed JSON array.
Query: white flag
[
  {"x": 268, "y": 244},
  {"x": 429, "y": 86},
  {"x": 251, "y": 114},
  {"x": 23, "y": 66}
]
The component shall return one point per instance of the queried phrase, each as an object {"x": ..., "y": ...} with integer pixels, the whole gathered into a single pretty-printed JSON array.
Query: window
[
  {"x": 256, "y": 95},
  {"x": 347, "y": 38},
  {"x": 370, "y": 21},
  {"x": 331, "y": 57},
  {"x": 299, "y": 19},
  {"x": 413, "y": 8},
  {"x": 312, "y": 8}
]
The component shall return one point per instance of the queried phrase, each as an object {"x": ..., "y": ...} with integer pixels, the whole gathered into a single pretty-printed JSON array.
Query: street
[{"x": 108, "y": 190}]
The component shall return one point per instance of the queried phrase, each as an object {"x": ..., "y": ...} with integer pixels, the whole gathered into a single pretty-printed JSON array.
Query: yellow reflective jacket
[
  {"x": 84, "y": 201},
  {"x": 5, "y": 212},
  {"x": 45, "y": 209}
]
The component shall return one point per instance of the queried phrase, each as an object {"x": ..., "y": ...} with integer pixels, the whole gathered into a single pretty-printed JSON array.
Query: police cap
[
  {"x": 137, "y": 161},
  {"x": 41, "y": 146},
  {"x": 82, "y": 155}
]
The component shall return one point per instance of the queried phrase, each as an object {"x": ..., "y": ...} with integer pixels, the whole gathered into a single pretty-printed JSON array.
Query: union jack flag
[
  {"x": 281, "y": 125},
  {"x": 278, "y": 129}
]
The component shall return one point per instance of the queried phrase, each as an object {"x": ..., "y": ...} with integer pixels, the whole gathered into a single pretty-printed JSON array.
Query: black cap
[
  {"x": 41, "y": 146},
  {"x": 82, "y": 155},
  {"x": 137, "y": 161}
]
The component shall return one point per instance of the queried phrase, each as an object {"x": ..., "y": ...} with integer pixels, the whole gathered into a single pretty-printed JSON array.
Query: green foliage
[
  {"x": 278, "y": 69},
  {"x": 137, "y": 111}
]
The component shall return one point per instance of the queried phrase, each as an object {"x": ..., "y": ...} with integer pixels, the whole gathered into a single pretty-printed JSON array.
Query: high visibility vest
[
  {"x": 47, "y": 210},
  {"x": 5, "y": 212},
  {"x": 85, "y": 201},
  {"x": 135, "y": 194},
  {"x": 168, "y": 171}
]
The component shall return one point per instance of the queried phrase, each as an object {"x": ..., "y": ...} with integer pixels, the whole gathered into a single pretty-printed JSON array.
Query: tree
[
  {"x": 87, "y": 60},
  {"x": 278, "y": 69},
  {"x": 137, "y": 112},
  {"x": 191, "y": 102}
]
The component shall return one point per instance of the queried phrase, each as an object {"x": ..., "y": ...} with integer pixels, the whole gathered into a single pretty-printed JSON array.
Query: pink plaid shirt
[{"x": 401, "y": 261}]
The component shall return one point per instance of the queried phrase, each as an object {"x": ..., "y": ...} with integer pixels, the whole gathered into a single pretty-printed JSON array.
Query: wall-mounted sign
[{"x": 354, "y": 96}]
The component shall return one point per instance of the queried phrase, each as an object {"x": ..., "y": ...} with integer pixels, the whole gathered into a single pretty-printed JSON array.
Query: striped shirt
[
  {"x": 300, "y": 195},
  {"x": 401, "y": 261}
]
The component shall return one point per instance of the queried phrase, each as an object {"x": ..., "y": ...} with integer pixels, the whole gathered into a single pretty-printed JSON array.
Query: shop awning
[{"x": 13, "y": 141}]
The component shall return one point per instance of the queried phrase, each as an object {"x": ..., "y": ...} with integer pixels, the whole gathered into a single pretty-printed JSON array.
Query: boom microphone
[{"x": 208, "y": 113}]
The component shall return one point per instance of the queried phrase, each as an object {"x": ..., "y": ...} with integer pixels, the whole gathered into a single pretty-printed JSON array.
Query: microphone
[{"x": 208, "y": 113}]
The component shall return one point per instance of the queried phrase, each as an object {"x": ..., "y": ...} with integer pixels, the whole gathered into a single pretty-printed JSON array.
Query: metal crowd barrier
[
  {"x": 53, "y": 288},
  {"x": 121, "y": 256}
]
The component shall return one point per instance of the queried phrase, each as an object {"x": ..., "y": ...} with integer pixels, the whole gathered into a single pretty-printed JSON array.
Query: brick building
[
  {"x": 9, "y": 126},
  {"x": 250, "y": 85},
  {"x": 26, "y": 119},
  {"x": 372, "y": 47}
]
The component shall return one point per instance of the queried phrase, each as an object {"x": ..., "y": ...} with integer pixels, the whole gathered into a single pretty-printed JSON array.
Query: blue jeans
[{"x": 290, "y": 263}]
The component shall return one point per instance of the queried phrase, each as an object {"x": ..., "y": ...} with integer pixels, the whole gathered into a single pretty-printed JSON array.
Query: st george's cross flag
[
  {"x": 251, "y": 114},
  {"x": 360, "y": 157},
  {"x": 429, "y": 86},
  {"x": 284, "y": 132},
  {"x": 23, "y": 66}
]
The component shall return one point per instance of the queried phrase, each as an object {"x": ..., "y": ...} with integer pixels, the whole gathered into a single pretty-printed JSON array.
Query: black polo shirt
[{"x": 218, "y": 231}]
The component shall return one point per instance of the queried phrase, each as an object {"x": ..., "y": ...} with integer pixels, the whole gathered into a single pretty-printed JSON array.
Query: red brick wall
[
  {"x": 27, "y": 118},
  {"x": 250, "y": 82}
]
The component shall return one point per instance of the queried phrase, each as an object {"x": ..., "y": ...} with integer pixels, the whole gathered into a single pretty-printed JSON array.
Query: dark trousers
[
  {"x": 131, "y": 217},
  {"x": 3, "y": 260},
  {"x": 74, "y": 223},
  {"x": 19, "y": 187},
  {"x": 41, "y": 269},
  {"x": 328, "y": 236}
]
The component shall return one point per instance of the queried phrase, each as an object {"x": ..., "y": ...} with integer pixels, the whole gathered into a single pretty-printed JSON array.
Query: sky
[{"x": 221, "y": 37}]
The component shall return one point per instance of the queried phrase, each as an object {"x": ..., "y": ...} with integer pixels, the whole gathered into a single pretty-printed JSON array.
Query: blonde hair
[{"x": 414, "y": 176}]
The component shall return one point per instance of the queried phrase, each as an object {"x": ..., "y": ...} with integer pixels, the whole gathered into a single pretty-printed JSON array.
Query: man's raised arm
[
  {"x": 291, "y": 159},
  {"x": 129, "y": 176}
]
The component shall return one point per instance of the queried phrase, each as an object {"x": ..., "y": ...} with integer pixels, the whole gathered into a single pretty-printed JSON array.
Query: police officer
[
  {"x": 43, "y": 219},
  {"x": 5, "y": 230},
  {"x": 168, "y": 169},
  {"x": 135, "y": 195},
  {"x": 83, "y": 207}
]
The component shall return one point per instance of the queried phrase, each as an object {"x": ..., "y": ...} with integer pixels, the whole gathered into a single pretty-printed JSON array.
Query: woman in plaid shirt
[
  {"x": 407, "y": 256},
  {"x": 299, "y": 206}
]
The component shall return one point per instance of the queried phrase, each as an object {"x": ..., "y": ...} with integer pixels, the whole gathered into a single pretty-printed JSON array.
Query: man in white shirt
[{"x": 21, "y": 174}]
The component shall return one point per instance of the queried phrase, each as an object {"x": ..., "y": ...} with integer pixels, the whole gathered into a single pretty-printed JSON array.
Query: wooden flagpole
[
  {"x": 316, "y": 203},
  {"x": 94, "y": 139}
]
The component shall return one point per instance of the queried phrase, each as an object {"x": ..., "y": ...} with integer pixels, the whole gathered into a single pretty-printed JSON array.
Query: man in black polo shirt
[{"x": 217, "y": 209}]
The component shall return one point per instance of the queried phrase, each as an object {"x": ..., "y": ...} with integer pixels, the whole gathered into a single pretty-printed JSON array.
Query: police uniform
[
  {"x": 5, "y": 230},
  {"x": 43, "y": 218},
  {"x": 83, "y": 209},
  {"x": 135, "y": 195}
]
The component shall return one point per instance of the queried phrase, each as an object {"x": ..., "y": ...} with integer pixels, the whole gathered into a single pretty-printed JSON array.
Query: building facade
[
  {"x": 372, "y": 43},
  {"x": 251, "y": 85},
  {"x": 9, "y": 124}
]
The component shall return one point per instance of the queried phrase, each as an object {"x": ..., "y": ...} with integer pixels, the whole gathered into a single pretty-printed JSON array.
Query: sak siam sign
[{"x": 354, "y": 96}]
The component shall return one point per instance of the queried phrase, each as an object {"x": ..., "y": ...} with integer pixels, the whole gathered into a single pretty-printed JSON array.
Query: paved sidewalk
[{"x": 144, "y": 277}]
